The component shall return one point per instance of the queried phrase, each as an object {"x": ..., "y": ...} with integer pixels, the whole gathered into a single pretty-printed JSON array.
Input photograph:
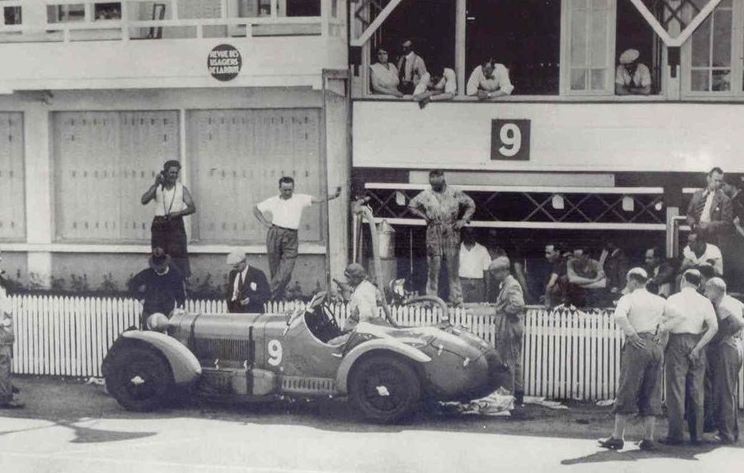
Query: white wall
[{"x": 564, "y": 136}]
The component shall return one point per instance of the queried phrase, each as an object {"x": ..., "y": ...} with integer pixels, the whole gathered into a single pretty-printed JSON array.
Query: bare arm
[
  {"x": 318, "y": 200},
  {"x": 260, "y": 217},
  {"x": 150, "y": 193}
]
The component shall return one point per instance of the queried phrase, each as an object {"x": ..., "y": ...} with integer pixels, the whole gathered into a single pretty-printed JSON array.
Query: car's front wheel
[
  {"x": 384, "y": 388},
  {"x": 139, "y": 378}
]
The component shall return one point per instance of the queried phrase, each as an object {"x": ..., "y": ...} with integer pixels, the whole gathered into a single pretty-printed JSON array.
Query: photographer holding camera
[{"x": 172, "y": 202}]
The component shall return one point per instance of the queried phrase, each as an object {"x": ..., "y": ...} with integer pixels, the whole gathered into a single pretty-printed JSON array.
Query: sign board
[
  {"x": 510, "y": 140},
  {"x": 224, "y": 62}
]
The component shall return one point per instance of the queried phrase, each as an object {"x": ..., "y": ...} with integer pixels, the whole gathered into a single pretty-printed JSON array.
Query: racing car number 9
[{"x": 274, "y": 349}]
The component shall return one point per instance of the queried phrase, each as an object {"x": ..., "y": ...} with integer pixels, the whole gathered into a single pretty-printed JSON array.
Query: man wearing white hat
[
  {"x": 638, "y": 314},
  {"x": 247, "y": 287},
  {"x": 631, "y": 76}
]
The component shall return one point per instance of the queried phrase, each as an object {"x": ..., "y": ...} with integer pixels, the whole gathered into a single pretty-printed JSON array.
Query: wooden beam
[
  {"x": 460, "y": 29},
  {"x": 367, "y": 34},
  {"x": 679, "y": 40}
]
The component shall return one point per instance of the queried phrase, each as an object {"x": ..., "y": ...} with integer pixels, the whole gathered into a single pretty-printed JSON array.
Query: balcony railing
[{"x": 96, "y": 20}]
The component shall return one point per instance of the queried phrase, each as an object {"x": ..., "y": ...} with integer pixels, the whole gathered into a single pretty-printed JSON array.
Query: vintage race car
[{"x": 385, "y": 371}]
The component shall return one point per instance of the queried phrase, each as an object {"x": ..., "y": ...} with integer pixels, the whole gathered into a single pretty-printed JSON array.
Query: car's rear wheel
[
  {"x": 139, "y": 378},
  {"x": 384, "y": 388}
]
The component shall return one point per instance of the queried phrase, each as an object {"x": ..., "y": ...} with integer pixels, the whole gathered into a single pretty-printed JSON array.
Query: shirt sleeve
[
  {"x": 417, "y": 202},
  {"x": 5, "y": 307},
  {"x": 619, "y": 77},
  {"x": 473, "y": 81},
  {"x": 645, "y": 76},
  {"x": 623, "y": 309},
  {"x": 504, "y": 82},
  {"x": 710, "y": 316},
  {"x": 265, "y": 205},
  {"x": 306, "y": 200},
  {"x": 467, "y": 202},
  {"x": 421, "y": 86},
  {"x": 450, "y": 86},
  {"x": 486, "y": 259}
]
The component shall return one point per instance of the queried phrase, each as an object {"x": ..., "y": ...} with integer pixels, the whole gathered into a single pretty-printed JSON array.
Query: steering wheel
[{"x": 324, "y": 324}]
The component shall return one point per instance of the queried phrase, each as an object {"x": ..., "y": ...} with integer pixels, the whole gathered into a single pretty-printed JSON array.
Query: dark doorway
[
  {"x": 634, "y": 33},
  {"x": 524, "y": 35}
]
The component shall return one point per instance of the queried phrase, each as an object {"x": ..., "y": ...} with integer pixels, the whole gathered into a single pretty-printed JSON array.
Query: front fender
[
  {"x": 185, "y": 366},
  {"x": 390, "y": 345}
]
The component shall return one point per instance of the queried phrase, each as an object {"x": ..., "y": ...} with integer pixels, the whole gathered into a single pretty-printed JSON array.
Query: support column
[
  {"x": 460, "y": 35},
  {"x": 38, "y": 183}
]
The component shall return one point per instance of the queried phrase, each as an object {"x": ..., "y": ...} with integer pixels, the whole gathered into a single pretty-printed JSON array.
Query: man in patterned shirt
[{"x": 446, "y": 211}]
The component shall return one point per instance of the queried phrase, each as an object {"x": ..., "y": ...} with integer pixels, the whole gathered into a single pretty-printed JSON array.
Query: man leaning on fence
[
  {"x": 161, "y": 286},
  {"x": 690, "y": 322},
  {"x": 638, "y": 314},
  {"x": 6, "y": 350},
  {"x": 509, "y": 310}
]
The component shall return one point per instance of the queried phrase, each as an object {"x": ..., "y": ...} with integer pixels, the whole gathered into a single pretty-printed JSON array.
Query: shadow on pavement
[{"x": 683, "y": 452}]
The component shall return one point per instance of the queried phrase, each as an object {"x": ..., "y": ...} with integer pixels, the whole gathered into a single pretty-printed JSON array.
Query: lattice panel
[
  {"x": 104, "y": 161},
  {"x": 536, "y": 207},
  {"x": 238, "y": 157},
  {"x": 12, "y": 197}
]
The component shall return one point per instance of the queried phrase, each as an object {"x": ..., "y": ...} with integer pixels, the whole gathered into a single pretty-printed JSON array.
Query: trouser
[
  {"x": 509, "y": 338},
  {"x": 6, "y": 387},
  {"x": 170, "y": 235},
  {"x": 473, "y": 290},
  {"x": 451, "y": 258},
  {"x": 684, "y": 382},
  {"x": 709, "y": 403},
  {"x": 639, "y": 389},
  {"x": 281, "y": 246},
  {"x": 726, "y": 373}
]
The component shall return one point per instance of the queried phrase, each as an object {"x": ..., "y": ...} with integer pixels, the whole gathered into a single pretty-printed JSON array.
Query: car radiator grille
[
  {"x": 304, "y": 385},
  {"x": 222, "y": 349}
]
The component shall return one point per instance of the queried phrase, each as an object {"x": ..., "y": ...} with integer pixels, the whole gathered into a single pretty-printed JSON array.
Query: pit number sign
[{"x": 510, "y": 140}]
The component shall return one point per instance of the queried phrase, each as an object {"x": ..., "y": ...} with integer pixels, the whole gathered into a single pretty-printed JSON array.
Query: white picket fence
[{"x": 567, "y": 354}]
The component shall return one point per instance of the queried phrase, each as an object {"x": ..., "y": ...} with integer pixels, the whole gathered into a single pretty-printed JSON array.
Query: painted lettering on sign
[
  {"x": 510, "y": 140},
  {"x": 224, "y": 62}
]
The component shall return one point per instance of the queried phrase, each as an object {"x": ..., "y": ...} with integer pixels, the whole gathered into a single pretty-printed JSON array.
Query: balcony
[{"x": 93, "y": 44}]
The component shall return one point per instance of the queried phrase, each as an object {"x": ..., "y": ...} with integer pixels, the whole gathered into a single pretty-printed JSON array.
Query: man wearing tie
[
  {"x": 710, "y": 210},
  {"x": 247, "y": 287},
  {"x": 411, "y": 68}
]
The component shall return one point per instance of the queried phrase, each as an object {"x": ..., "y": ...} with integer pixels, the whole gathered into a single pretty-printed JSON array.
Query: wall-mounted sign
[
  {"x": 224, "y": 62},
  {"x": 510, "y": 140}
]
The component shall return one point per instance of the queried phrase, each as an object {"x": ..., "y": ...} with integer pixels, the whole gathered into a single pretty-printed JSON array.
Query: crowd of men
[{"x": 410, "y": 78}]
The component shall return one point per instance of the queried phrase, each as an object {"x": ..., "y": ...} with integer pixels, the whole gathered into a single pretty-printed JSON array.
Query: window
[
  {"x": 12, "y": 15},
  {"x": 710, "y": 51},
  {"x": 65, "y": 13},
  {"x": 588, "y": 47},
  {"x": 12, "y": 194},
  {"x": 107, "y": 11},
  {"x": 237, "y": 158},
  {"x": 110, "y": 158},
  {"x": 633, "y": 32}
]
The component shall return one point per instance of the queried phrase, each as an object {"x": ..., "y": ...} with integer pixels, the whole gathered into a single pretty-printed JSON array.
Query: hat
[
  {"x": 499, "y": 263},
  {"x": 159, "y": 259},
  {"x": 355, "y": 271},
  {"x": 629, "y": 55},
  {"x": 639, "y": 272},
  {"x": 235, "y": 257}
]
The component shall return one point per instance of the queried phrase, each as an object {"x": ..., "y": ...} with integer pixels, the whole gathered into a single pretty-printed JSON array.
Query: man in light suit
[
  {"x": 247, "y": 287},
  {"x": 710, "y": 210}
]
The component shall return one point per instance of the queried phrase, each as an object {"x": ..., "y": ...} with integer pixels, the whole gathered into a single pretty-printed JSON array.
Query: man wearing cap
[
  {"x": 690, "y": 322},
  {"x": 161, "y": 284},
  {"x": 726, "y": 353},
  {"x": 247, "y": 287},
  {"x": 638, "y": 314},
  {"x": 363, "y": 302},
  {"x": 632, "y": 77},
  {"x": 281, "y": 239},
  {"x": 446, "y": 211},
  {"x": 7, "y": 337},
  {"x": 509, "y": 310}
]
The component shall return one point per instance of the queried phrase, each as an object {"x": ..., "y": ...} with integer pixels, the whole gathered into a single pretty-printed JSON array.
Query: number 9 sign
[{"x": 510, "y": 140}]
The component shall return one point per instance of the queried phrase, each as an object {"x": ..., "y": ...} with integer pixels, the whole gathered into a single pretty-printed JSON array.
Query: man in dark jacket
[
  {"x": 710, "y": 210},
  {"x": 161, "y": 284},
  {"x": 247, "y": 287}
]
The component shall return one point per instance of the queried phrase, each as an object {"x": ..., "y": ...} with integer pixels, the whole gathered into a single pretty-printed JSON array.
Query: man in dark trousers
[
  {"x": 161, "y": 284},
  {"x": 710, "y": 211},
  {"x": 689, "y": 321},
  {"x": 247, "y": 287}
]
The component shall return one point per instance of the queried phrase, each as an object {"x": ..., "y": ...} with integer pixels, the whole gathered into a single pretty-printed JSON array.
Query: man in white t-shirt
[
  {"x": 698, "y": 252},
  {"x": 489, "y": 80},
  {"x": 281, "y": 239},
  {"x": 474, "y": 262}
]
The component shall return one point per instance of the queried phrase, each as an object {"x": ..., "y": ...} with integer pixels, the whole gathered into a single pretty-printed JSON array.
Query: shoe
[
  {"x": 648, "y": 445},
  {"x": 612, "y": 443},
  {"x": 12, "y": 404},
  {"x": 670, "y": 441}
]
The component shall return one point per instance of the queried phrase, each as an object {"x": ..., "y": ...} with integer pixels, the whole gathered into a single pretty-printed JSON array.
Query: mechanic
[
  {"x": 363, "y": 303},
  {"x": 247, "y": 287},
  {"x": 725, "y": 354},
  {"x": 7, "y": 337},
  {"x": 638, "y": 314},
  {"x": 440, "y": 206},
  {"x": 509, "y": 309},
  {"x": 690, "y": 322},
  {"x": 172, "y": 202},
  {"x": 162, "y": 284},
  {"x": 281, "y": 239}
]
